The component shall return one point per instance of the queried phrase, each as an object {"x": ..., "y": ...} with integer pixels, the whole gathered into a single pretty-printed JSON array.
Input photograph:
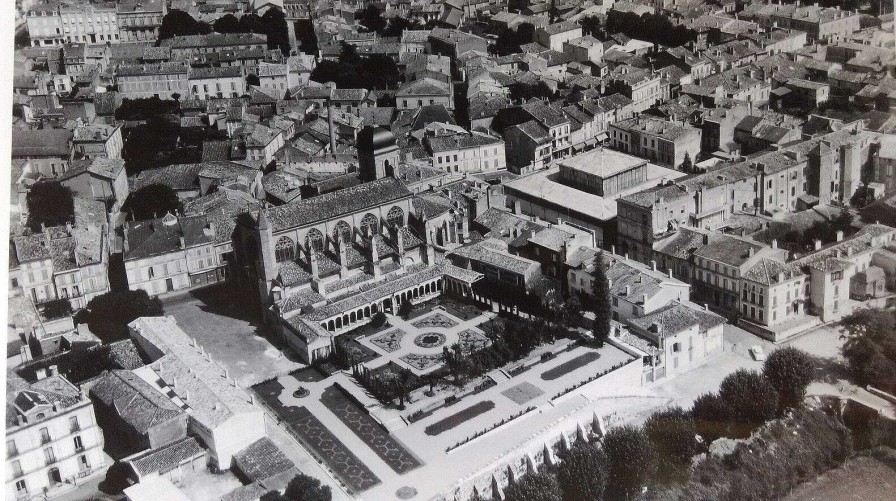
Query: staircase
[{"x": 391, "y": 421}]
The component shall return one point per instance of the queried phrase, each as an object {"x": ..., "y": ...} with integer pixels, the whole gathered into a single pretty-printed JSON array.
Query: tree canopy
[
  {"x": 178, "y": 23},
  {"x": 541, "y": 486},
  {"x": 301, "y": 488},
  {"x": 151, "y": 201},
  {"x": 603, "y": 311},
  {"x": 790, "y": 371},
  {"x": 582, "y": 472},
  {"x": 752, "y": 399},
  {"x": 49, "y": 204},
  {"x": 712, "y": 417},
  {"x": 870, "y": 347},
  {"x": 673, "y": 434},
  {"x": 630, "y": 457},
  {"x": 109, "y": 314},
  {"x": 352, "y": 71}
]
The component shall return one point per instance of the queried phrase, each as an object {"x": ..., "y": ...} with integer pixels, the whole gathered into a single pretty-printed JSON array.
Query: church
[{"x": 326, "y": 265}]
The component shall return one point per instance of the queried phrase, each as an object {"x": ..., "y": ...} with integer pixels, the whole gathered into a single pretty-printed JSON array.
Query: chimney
[
  {"x": 774, "y": 243},
  {"x": 750, "y": 252},
  {"x": 52, "y": 370},
  {"x": 644, "y": 299},
  {"x": 705, "y": 307},
  {"x": 183, "y": 244},
  {"x": 653, "y": 265},
  {"x": 817, "y": 244},
  {"x": 705, "y": 239},
  {"x": 628, "y": 290},
  {"x": 613, "y": 249},
  {"x": 670, "y": 272},
  {"x": 839, "y": 236}
]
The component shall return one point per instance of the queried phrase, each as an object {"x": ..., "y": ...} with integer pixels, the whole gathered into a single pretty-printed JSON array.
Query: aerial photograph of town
[{"x": 450, "y": 250}]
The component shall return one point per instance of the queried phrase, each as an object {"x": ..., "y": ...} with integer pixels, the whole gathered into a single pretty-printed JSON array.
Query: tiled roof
[
  {"x": 262, "y": 460},
  {"x": 729, "y": 250},
  {"x": 166, "y": 458},
  {"x": 676, "y": 318},
  {"x": 337, "y": 203},
  {"x": 177, "y": 177},
  {"x": 134, "y": 400},
  {"x": 488, "y": 252},
  {"x": 41, "y": 143},
  {"x": 109, "y": 168},
  {"x": 201, "y": 383}
]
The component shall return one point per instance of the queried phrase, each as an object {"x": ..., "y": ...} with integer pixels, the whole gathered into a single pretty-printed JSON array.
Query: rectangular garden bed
[
  {"x": 569, "y": 366},
  {"x": 369, "y": 430},
  {"x": 459, "y": 418}
]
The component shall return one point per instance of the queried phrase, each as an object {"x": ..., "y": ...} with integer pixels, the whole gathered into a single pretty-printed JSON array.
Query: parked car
[{"x": 758, "y": 353}]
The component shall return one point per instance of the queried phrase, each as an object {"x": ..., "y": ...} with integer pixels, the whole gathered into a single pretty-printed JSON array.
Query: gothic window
[
  {"x": 395, "y": 217},
  {"x": 285, "y": 250},
  {"x": 369, "y": 225},
  {"x": 342, "y": 228},
  {"x": 316, "y": 239}
]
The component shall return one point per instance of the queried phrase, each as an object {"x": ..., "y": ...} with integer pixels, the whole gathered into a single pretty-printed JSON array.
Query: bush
[
  {"x": 630, "y": 457},
  {"x": 752, "y": 399},
  {"x": 790, "y": 371},
  {"x": 781, "y": 456}
]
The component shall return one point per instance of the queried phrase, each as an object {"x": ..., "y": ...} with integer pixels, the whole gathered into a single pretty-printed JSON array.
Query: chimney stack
[
  {"x": 774, "y": 244},
  {"x": 839, "y": 235},
  {"x": 653, "y": 265},
  {"x": 817, "y": 244}
]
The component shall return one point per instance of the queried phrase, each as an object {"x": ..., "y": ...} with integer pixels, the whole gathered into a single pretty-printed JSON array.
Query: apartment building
[
  {"x": 553, "y": 36},
  {"x": 719, "y": 266},
  {"x": 100, "y": 179},
  {"x": 462, "y": 151},
  {"x": 185, "y": 47},
  {"x": 171, "y": 253},
  {"x": 162, "y": 80},
  {"x": 98, "y": 140},
  {"x": 216, "y": 82},
  {"x": 140, "y": 20},
  {"x": 68, "y": 262},
  {"x": 640, "y": 85},
  {"x": 53, "y": 442},
  {"x": 657, "y": 140},
  {"x": 821, "y": 24},
  {"x": 52, "y": 24}
]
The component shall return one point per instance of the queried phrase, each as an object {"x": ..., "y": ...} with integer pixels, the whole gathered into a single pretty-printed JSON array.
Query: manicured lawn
[
  {"x": 329, "y": 449},
  {"x": 523, "y": 392},
  {"x": 367, "y": 429},
  {"x": 459, "y": 418},
  {"x": 569, "y": 366}
]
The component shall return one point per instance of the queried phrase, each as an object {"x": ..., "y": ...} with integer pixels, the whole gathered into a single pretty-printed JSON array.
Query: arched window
[
  {"x": 342, "y": 228},
  {"x": 395, "y": 217},
  {"x": 285, "y": 250},
  {"x": 369, "y": 225},
  {"x": 316, "y": 239}
]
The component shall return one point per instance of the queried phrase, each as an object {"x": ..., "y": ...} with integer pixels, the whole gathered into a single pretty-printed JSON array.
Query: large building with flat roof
[{"x": 603, "y": 172}]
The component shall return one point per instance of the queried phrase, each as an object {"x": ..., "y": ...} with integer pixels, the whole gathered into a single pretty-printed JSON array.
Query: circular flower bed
[
  {"x": 430, "y": 340},
  {"x": 301, "y": 392}
]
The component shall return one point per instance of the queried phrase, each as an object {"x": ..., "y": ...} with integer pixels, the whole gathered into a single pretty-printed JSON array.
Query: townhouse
[
  {"x": 100, "y": 179},
  {"x": 97, "y": 140},
  {"x": 53, "y": 442},
  {"x": 220, "y": 82},
  {"x": 162, "y": 80},
  {"x": 461, "y": 151},
  {"x": 660, "y": 141},
  {"x": 553, "y": 36}
]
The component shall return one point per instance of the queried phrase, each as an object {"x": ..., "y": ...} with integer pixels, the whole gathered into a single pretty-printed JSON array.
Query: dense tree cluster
[
  {"x": 870, "y": 347},
  {"x": 802, "y": 240},
  {"x": 49, "y": 204},
  {"x": 372, "y": 20},
  {"x": 109, "y": 314},
  {"x": 656, "y": 28},
  {"x": 352, "y": 70},
  {"x": 151, "y": 201},
  {"x": 272, "y": 24}
]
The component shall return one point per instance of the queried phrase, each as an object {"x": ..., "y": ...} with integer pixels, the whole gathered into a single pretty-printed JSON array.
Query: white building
[
  {"x": 221, "y": 413},
  {"x": 52, "y": 440}
]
